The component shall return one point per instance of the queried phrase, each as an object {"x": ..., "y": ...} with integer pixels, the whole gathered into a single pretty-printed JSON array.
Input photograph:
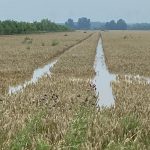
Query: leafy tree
[
  {"x": 111, "y": 25},
  {"x": 70, "y": 23},
  {"x": 121, "y": 25},
  {"x": 7, "y": 29},
  {"x": 1, "y": 29},
  {"x": 84, "y": 23}
]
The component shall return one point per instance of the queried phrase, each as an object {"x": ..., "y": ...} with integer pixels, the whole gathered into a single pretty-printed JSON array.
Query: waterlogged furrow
[
  {"x": 104, "y": 79},
  {"x": 21, "y": 55},
  {"x": 125, "y": 126},
  {"x": 38, "y": 73}
]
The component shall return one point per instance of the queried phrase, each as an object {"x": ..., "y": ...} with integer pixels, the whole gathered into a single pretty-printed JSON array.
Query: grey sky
[{"x": 60, "y": 10}]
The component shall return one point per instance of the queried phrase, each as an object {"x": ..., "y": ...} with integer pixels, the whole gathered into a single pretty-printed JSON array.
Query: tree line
[
  {"x": 85, "y": 23},
  {"x": 122, "y": 25},
  {"x": 119, "y": 25},
  {"x": 139, "y": 26},
  {"x": 8, "y": 27}
]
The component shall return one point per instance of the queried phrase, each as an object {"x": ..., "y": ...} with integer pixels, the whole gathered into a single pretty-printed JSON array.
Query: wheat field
[
  {"x": 60, "y": 111},
  {"x": 20, "y": 55}
]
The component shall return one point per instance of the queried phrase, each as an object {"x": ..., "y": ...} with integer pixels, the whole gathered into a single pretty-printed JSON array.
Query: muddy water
[
  {"x": 38, "y": 73},
  {"x": 103, "y": 79}
]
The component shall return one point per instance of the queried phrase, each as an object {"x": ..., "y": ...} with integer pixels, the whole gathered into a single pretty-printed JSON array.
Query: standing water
[
  {"x": 103, "y": 79},
  {"x": 38, "y": 73}
]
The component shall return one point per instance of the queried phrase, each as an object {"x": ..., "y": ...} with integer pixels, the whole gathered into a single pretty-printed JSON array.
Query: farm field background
[
  {"x": 60, "y": 111},
  {"x": 127, "y": 52},
  {"x": 22, "y": 54}
]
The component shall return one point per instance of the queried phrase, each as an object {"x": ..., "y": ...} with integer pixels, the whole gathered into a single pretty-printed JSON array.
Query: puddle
[
  {"x": 79, "y": 80},
  {"x": 38, "y": 73},
  {"x": 103, "y": 79},
  {"x": 137, "y": 78}
]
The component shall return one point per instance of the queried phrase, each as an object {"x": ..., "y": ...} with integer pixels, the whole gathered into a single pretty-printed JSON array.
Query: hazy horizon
[{"x": 97, "y": 10}]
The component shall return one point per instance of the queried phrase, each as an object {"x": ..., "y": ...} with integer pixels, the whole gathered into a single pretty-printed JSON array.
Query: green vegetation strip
[
  {"x": 24, "y": 138},
  {"x": 74, "y": 138},
  {"x": 77, "y": 133}
]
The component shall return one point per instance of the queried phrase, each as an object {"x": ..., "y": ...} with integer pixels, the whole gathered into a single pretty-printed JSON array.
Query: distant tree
[
  {"x": 13, "y": 27},
  {"x": 70, "y": 23},
  {"x": 7, "y": 29},
  {"x": 45, "y": 24},
  {"x": 1, "y": 28},
  {"x": 121, "y": 25},
  {"x": 111, "y": 25},
  {"x": 139, "y": 26},
  {"x": 83, "y": 23}
]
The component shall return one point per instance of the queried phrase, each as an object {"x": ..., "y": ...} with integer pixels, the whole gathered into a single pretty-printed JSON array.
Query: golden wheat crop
[
  {"x": 126, "y": 125},
  {"x": 127, "y": 52},
  {"x": 21, "y": 55},
  {"x": 44, "y": 112},
  {"x": 60, "y": 112}
]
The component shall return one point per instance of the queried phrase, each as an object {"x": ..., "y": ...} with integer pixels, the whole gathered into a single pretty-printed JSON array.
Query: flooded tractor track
[
  {"x": 43, "y": 71},
  {"x": 103, "y": 79}
]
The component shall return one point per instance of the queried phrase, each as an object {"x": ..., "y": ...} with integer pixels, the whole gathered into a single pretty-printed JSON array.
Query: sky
[{"x": 60, "y": 10}]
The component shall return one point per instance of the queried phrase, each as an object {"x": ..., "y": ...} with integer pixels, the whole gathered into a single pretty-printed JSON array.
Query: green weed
[
  {"x": 55, "y": 42},
  {"x": 24, "y": 139},
  {"x": 76, "y": 135}
]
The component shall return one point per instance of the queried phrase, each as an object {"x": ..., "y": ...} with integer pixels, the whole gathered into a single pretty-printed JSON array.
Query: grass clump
[
  {"x": 27, "y": 40},
  {"x": 28, "y": 47},
  {"x": 55, "y": 42},
  {"x": 43, "y": 44}
]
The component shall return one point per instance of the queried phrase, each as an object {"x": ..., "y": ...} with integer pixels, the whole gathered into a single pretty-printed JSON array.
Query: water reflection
[
  {"x": 103, "y": 79},
  {"x": 38, "y": 73}
]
